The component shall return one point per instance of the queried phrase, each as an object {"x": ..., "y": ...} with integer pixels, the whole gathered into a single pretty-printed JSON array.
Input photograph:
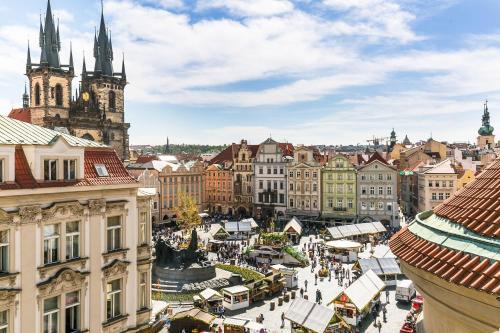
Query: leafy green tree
[{"x": 187, "y": 212}]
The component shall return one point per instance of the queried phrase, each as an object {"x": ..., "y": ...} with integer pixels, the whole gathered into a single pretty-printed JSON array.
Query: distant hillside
[{"x": 175, "y": 149}]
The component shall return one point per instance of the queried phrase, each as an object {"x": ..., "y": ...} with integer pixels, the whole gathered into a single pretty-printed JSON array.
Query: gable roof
[
  {"x": 21, "y": 114},
  {"x": 295, "y": 224},
  {"x": 16, "y": 132},
  {"x": 315, "y": 317}
]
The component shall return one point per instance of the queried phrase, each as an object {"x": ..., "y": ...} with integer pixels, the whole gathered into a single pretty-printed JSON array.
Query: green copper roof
[{"x": 446, "y": 233}]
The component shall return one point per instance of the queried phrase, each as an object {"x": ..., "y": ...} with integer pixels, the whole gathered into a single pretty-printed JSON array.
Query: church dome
[{"x": 486, "y": 130}]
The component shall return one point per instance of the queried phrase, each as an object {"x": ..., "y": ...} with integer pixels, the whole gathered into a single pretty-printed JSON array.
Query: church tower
[
  {"x": 486, "y": 138},
  {"x": 49, "y": 81},
  {"x": 99, "y": 111}
]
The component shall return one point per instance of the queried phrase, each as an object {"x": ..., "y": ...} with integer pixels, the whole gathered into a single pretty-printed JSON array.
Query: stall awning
[
  {"x": 196, "y": 314},
  {"x": 362, "y": 291},
  {"x": 238, "y": 322},
  {"x": 235, "y": 289},
  {"x": 358, "y": 229},
  {"x": 380, "y": 266},
  {"x": 307, "y": 314},
  {"x": 238, "y": 226},
  {"x": 344, "y": 244},
  {"x": 210, "y": 295},
  {"x": 252, "y": 222}
]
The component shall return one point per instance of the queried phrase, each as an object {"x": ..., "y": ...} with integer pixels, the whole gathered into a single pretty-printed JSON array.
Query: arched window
[
  {"x": 59, "y": 95},
  {"x": 87, "y": 136},
  {"x": 112, "y": 100},
  {"x": 37, "y": 94}
]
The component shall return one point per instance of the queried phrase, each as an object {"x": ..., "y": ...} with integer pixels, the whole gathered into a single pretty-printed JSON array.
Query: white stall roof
[
  {"x": 364, "y": 289},
  {"x": 253, "y": 224},
  {"x": 312, "y": 316},
  {"x": 210, "y": 295},
  {"x": 380, "y": 266},
  {"x": 349, "y": 230},
  {"x": 238, "y": 226},
  {"x": 344, "y": 244},
  {"x": 235, "y": 289},
  {"x": 295, "y": 224}
]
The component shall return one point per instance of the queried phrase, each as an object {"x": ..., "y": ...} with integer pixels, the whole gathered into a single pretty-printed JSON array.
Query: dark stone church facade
[{"x": 96, "y": 111}]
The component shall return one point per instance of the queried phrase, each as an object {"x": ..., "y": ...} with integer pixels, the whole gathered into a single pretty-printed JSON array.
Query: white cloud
[
  {"x": 375, "y": 18},
  {"x": 248, "y": 8}
]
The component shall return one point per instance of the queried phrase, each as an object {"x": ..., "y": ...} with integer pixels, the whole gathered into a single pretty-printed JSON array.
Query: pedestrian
[
  {"x": 282, "y": 319},
  {"x": 305, "y": 283},
  {"x": 387, "y": 296},
  {"x": 316, "y": 279}
]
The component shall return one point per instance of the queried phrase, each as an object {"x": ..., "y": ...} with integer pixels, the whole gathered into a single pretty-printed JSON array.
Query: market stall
[
  {"x": 258, "y": 290},
  {"x": 218, "y": 232},
  {"x": 275, "y": 282},
  {"x": 387, "y": 269},
  {"x": 293, "y": 230},
  {"x": 236, "y": 297},
  {"x": 238, "y": 230},
  {"x": 242, "y": 325},
  {"x": 211, "y": 300},
  {"x": 308, "y": 317},
  {"x": 354, "y": 303},
  {"x": 194, "y": 320},
  {"x": 291, "y": 275},
  {"x": 266, "y": 254},
  {"x": 361, "y": 232},
  {"x": 344, "y": 250}
]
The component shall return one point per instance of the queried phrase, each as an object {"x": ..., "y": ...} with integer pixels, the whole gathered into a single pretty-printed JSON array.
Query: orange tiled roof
[
  {"x": 477, "y": 206},
  {"x": 21, "y": 114},
  {"x": 117, "y": 172},
  {"x": 453, "y": 266},
  {"x": 146, "y": 158}
]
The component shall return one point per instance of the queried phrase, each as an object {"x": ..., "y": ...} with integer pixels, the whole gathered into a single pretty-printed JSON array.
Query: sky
[{"x": 304, "y": 71}]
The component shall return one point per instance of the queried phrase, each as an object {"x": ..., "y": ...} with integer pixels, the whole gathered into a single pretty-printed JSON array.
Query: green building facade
[{"x": 338, "y": 180}]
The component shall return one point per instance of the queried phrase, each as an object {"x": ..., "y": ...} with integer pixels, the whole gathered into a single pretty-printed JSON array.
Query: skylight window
[{"x": 101, "y": 170}]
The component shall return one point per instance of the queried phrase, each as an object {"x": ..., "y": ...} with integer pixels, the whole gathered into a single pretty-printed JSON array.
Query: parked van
[{"x": 405, "y": 290}]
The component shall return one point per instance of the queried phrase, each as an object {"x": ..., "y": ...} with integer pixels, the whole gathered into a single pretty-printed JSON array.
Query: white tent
[
  {"x": 364, "y": 289},
  {"x": 344, "y": 244},
  {"x": 294, "y": 224},
  {"x": 314, "y": 317}
]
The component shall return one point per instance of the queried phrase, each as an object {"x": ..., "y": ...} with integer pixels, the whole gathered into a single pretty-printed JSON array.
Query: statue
[{"x": 168, "y": 256}]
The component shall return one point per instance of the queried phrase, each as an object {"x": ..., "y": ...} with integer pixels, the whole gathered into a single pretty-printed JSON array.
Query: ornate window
[
  {"x": 51, "y": 315},
  {"x": 114, "y": 232},
  {"x": 69, "y": 169},
  {"x": 143, "y": 291},
  {"x": 72, "y": 312},
  {"x": 59, "y": 95},
  {"x": 37, "y": 94},
  {"x": 113, "y": 299},
  {"x": 4, "y": 321},
  {"x": 50, "y": 243},
  {"x": 112, "y": 100},
  {"x": 50, "y": 169},
  {"x": 72, "y": 240},
  {"x": 4, "y": 252}
]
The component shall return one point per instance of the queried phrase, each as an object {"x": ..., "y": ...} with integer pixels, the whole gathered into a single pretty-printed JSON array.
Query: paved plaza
[{"x": 396, "y": 312}]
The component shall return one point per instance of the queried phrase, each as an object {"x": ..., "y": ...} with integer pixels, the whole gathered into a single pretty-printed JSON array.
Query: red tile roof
[
  {"x": 456, "y": 267},
  {"x": 231, "y": 152},
  {"x": 146, "y": 158},
  {"x": 21, "y": 114},
  {"x": 286, "y": 148},
  {"x": 377, "y": 157},
  {"x": 24, "y": 178},
  {"x": 477, "y": 205},
  {"x": 117, "y": 172}
]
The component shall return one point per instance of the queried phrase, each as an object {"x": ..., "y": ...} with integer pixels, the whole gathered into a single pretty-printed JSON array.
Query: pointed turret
[
  {"x": 58, "y": 38},
  {"x": 49, "y": 41},
  {"x": 28, "y": 59},
  {"x": 26, "y": 98},
  {"x": 71, "y": 65},
  {"x": 103, "y": 50},
  {"x": 124, "y": 75},
  {"x": 84, "y": 67},
  {"x": 41, "y": 38}
]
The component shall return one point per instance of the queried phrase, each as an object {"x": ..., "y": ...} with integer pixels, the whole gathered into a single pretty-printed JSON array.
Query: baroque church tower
[{"x": 97, "y": 111}]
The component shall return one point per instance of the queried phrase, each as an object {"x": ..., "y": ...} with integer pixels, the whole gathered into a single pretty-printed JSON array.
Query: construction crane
[{"x": 376, "y": 141}]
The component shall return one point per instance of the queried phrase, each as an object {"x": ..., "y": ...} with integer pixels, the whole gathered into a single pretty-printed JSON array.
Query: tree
[{"x": 187, "y": 212}]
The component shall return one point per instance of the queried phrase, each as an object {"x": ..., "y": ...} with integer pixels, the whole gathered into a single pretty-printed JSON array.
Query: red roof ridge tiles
[
  {"x": 454, "y": 266},
  {"x": 21, "y": 114},
  {"x": 477, "y": 205}
]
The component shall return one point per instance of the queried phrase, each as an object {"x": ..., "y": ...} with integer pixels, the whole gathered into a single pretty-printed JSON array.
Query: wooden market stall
[
  {"x": 242, "y": 325},
  {"x": 218, "y": 232},
  {"x": 266, "y": 254},
  {"x": 293, "y": 230},
  {"x": 236, "y": 297},
  {"x": 258, "y": 290},
  {"x": 309, "y": 317},
  {"x": 354, "y": 303},
  {"x": 211, "y": 300},
  {"x": 291, "y": 275},
  {"x": 191, "y": 320},
  {"x": 387, "y": 269},
  {"x": 275, "y": 282}
]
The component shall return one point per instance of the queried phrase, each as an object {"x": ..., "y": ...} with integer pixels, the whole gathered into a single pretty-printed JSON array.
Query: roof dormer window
[
  {"x": 101, "y": 170},
  {"x": 50, "y": 169}
]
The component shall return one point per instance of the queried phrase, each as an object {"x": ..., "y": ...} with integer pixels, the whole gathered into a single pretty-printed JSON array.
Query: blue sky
[{"x": 305, "y": 71}]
